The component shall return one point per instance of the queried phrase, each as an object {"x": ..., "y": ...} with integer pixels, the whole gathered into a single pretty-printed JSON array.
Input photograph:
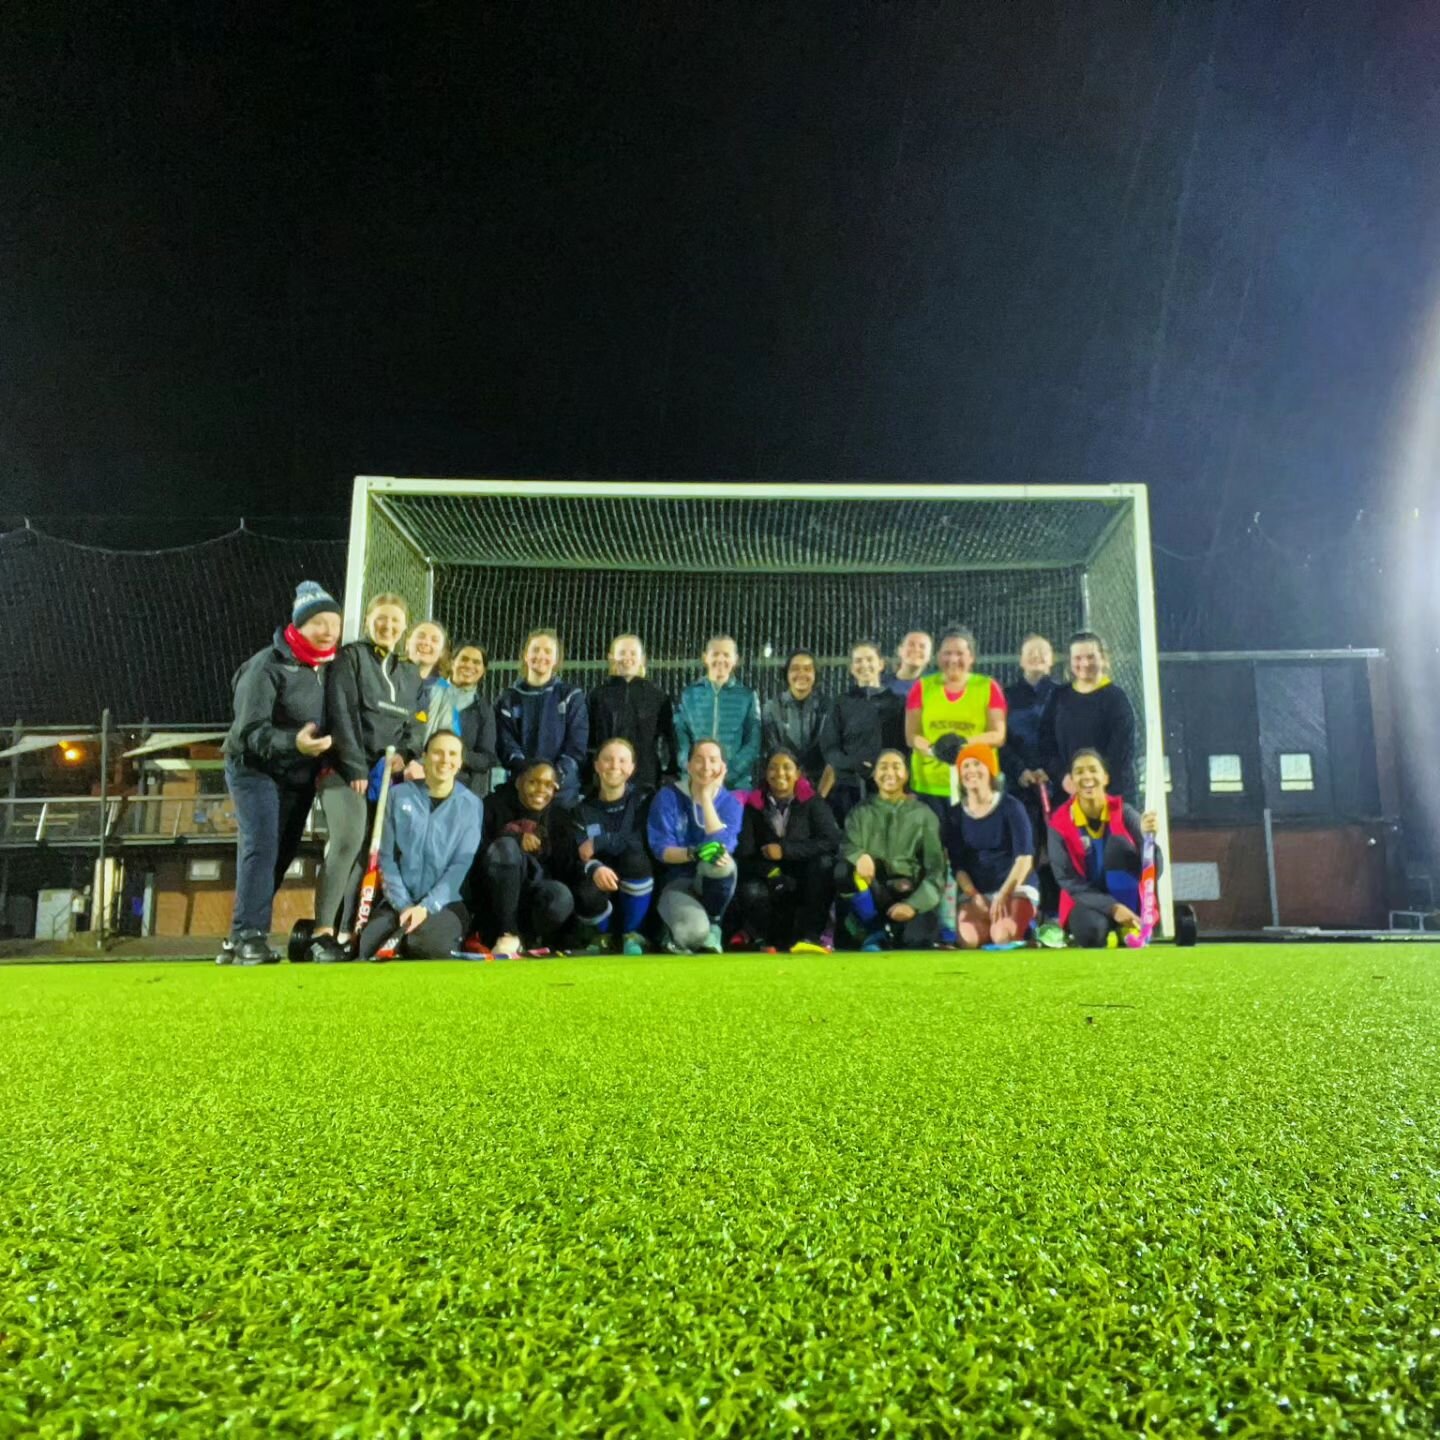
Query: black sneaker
[
  {"x": 253, "y": 948},
  {"x": 327, "y": 950},
  {"x": 227, "y": 952}
]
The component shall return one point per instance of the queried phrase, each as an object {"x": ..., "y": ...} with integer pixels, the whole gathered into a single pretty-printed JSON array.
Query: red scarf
[{"x": 305, "y": 652}]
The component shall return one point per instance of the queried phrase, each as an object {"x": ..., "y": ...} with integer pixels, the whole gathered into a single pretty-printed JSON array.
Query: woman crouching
[
  {"x": 527, "y": 863},
  {"x": 1095, "y": 845},
  {"x": 892, "y": 868}
]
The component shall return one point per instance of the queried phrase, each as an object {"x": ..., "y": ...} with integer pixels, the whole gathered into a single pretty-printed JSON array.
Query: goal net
[{"x": 779, "y": 567}]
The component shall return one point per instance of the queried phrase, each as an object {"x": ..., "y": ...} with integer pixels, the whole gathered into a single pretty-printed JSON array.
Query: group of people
[{"x": 927, "y": 805}]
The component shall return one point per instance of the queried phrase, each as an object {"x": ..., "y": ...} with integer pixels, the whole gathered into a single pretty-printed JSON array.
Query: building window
[
  {"x": 1168, "y": 786},
  {"x": 1297, "y": 772},
  {"x": 1226, "y": 777}
]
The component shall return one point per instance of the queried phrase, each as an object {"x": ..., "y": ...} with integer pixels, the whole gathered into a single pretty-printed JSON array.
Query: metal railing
[{"x": 128, "y": 820}]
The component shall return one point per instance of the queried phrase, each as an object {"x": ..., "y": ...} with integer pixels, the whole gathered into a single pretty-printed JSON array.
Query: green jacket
[{"x": 905, "y": 839}]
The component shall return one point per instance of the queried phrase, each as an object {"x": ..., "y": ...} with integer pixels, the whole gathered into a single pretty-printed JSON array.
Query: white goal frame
[{"x": 371, "y": 489}]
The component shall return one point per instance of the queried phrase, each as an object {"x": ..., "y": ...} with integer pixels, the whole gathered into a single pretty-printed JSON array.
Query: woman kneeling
[
  {"x": 991, "y": 848},
  {"x": 1095, "y": 854}
]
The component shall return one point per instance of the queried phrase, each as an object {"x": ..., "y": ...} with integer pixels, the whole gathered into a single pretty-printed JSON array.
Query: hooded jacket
[
  {"x": 729, "y": 714},
  {"x": 276, "y": 696},
  {"x": 544, "y": 722},
  {"x": 905, "y": 839},
  {"x": 641, "y": 712},
  {"x": 810, "y": 831},
  {"x": 371, "y": 702},
  {"x": 675, "y": 820}
]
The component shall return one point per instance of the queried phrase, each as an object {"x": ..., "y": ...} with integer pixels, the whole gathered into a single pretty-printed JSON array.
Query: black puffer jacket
[
  {"x": 276, "y": 696},
  {"x": 371, "y": 702}
]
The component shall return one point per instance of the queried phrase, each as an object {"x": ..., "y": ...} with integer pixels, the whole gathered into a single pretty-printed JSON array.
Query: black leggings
[
  {"x": 917, "y": 934},
  {"x": 519, "y": 898},
  {"x": 792, "y": 905},
  {"x": 434, "y": 940}
]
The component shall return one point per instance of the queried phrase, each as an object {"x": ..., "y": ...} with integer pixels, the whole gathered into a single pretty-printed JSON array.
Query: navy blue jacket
[
  {"x": 544, "y": 722},
  {"x": 617, "y": 827},
  {"x": 1023, "y": 749}
]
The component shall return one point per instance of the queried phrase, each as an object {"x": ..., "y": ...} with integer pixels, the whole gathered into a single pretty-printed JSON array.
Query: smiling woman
[{"x": 272, "y": 754}]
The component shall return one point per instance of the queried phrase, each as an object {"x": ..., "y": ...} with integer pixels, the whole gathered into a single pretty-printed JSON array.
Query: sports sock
[
  {"x": 633, "y": 910},
  {"x": 862, "y": 902}
]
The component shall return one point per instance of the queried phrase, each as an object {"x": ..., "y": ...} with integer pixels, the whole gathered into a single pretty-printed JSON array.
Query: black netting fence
[
  {"x": 157, "y": 634},
  {"x": 152, "y": 634}
]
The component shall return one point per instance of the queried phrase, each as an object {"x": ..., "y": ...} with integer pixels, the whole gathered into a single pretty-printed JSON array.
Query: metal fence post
[{"x": 100, "y": 915}]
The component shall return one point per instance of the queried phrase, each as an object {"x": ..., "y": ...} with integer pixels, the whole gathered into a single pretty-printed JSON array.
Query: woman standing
[
  {"x": 891, "y": 871},
  {"x": 371, "y": 703},
  {"x": 474, "y": 718},
  {"x": 792, "y": 721},
  {"x": 719, "y": 707},
  {"x": 616, "y": 872},
  {"x": 272, "y": 753},
  {"x": 912, "y": 661},
  {"x": 788, "y": 845},
  {"x": 628, "y": 706},
  {"x": 428, "y": 651},
  {"x": 955, "y": 702},
  {"x": 868, "y": 718},
  {"x": 1095, "y": 845},
  {"x": 992, "y": 852},
  {"x": 1090, "y": 713},
  {"x": 542, "y": 717}
]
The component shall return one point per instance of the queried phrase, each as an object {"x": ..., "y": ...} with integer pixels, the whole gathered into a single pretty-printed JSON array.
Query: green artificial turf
[{"x": 1187, "y": 1192}]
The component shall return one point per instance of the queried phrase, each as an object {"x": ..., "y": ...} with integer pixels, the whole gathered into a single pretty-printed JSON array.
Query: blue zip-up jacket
[
  {"x": 730, "y": 715},
  {"x": 426, "y": 850},
  {"x": 544, "y": 722},
  {"x": 675, "y": 820},
  {"x": 1022, "y": 748}
]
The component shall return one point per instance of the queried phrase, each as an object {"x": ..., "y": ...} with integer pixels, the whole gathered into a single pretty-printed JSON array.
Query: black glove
[{"x": 947, "y": 749}]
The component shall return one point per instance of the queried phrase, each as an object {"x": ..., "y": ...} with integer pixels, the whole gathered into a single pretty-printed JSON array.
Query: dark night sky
[{"x": 251, "y": 250}]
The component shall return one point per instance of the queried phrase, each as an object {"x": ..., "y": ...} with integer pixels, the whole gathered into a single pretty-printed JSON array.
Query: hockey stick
[
  {"x": 370, "y": 885},
  {"x": 1149, "y": 903}
]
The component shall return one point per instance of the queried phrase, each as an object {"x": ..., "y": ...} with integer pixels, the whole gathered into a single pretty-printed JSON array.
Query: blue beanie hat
[{"x": 312, "y": 600}]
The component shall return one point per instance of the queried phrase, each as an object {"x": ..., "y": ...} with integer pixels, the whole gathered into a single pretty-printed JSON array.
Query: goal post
[{"x": 779, "y": 566}]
